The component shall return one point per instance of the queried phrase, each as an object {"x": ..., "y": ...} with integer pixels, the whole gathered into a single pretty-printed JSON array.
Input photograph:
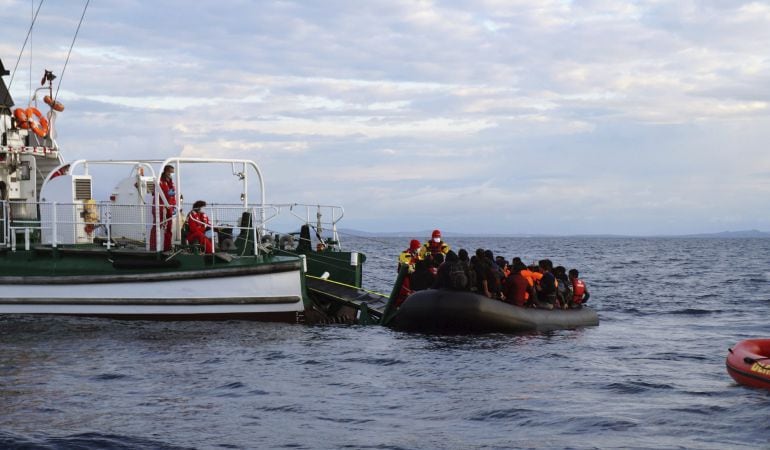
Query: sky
[{"x": 473, "y": 116}]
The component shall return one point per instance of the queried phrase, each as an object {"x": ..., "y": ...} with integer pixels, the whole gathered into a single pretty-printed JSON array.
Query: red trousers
[
  {"x": 165, "y": 229},
  {"x": 201, "y": 239}
]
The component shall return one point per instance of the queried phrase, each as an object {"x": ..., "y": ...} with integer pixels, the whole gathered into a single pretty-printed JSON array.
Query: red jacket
[
  {"x": 198, "y": 221},
  {"x": 169, "y": 190},
  {"x": 516, "y": 287}
]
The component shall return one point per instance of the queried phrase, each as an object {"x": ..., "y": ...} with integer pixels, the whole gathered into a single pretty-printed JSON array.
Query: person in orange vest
[
  {"x": 199, "y": 227},
  {"x": 166, "y": 209},
  {"x": 531, "y": 274},
  {"x": 580, "y": 293},
  {"x": 434, "y": 246}
]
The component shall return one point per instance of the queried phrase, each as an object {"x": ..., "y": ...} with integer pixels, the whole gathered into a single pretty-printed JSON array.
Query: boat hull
[
  {"x": 272, "y": 291},
  {"x": 748, "y": 363},
  {"x": 439, "y": 310}
]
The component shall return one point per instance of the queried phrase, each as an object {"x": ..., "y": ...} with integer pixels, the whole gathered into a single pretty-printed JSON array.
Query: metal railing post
[
  {"x": 253, "y": 231},
  {"x": 54, "y": 229},
  {"x": 109, "y": 228},
  {"x": 6, "y": 223}
]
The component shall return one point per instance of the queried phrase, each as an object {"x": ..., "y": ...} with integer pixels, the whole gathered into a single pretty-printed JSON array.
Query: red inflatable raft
[{"x": 749, "y": 363}]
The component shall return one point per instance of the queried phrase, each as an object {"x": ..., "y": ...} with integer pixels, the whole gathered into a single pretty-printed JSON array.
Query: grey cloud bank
[{"x": 552, "y": 117}]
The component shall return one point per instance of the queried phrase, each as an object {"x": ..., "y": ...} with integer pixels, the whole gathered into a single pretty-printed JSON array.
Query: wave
[
  {"x": 636, "y": 387},
  {"x": 375, "y": 361},
  {"x": 499, "y": 414},
  {"x": 692, "y": 312},
  {"x": 84, "y": 441},
  {"x": 109, "y": 377}
]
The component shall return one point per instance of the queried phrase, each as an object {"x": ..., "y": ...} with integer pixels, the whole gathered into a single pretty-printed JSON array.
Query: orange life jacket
[
  {"x": 532, "y": 277},
  {"x": 578, "y": 290}
]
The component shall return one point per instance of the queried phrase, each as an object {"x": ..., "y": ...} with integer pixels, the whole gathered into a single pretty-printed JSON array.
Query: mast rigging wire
[
  {"x": 61, "y": 76},
  {"x": 21, "y": 52},
  {"x": 32, "y": 17}
]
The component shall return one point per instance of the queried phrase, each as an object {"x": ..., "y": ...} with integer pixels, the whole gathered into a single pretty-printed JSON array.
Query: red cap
[
  {"x": 436, "y": 233},
  {"x": 414, "y": 244}
]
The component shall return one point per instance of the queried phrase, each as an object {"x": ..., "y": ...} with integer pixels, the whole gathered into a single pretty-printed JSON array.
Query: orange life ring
[
  {"x": 21, "y": 117},
  {"x": 56, "y": 106},
  {"x": 37, "y": 123}
]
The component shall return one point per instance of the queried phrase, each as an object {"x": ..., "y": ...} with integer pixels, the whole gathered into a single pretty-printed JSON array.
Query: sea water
[{"x": 651, "y": 375}]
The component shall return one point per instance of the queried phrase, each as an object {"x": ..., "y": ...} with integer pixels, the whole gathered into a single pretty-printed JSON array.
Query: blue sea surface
[{"x": 651, "y": 375}]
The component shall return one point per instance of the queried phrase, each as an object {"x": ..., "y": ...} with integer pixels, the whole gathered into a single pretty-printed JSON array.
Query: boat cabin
[{"x": 27, "y": 155}]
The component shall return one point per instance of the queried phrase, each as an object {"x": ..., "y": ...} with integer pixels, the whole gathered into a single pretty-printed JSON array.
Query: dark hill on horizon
[{"x": 425, "y": 234}]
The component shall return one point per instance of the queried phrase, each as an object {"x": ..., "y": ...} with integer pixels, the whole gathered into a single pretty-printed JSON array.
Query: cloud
[{"x": 621, "y": 116}]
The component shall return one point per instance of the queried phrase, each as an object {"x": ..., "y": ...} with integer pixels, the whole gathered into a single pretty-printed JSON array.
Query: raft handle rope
[
  {"x": 750, "y": 360},
  {"x": 378, "y": 294}
]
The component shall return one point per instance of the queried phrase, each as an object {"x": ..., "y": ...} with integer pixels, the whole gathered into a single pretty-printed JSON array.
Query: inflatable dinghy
[
  {"x": 749, "y": 363},
  {"x": 440, "y": 310}
]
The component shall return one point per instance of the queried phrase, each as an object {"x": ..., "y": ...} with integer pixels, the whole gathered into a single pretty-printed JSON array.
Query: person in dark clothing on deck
[
  {"x": 462, "y": 255},
  {"x": 563, "y": 286},
  {"x": 422, "y": 278},
  {"x": 451, "y": 274},
  {"x": 487, "y": 281},
  {"x": 547, "y": 290}
]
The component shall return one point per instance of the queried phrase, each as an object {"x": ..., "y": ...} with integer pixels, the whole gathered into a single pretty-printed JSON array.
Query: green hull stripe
[
  {"x": 154, "y": 276},
  {"x": 153, "y": 301}
]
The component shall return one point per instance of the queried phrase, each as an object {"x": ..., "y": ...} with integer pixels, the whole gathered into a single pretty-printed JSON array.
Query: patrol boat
[{"x": 75, "y": 237}]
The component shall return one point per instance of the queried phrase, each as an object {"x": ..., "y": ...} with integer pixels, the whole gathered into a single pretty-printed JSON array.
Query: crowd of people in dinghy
[{"x": 433, "y": 265}]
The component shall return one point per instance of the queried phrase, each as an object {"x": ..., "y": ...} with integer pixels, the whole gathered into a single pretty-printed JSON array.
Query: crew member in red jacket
[
  {"x": 198, "y": 224},
  {"x": 579, "y": 290},
  {"x": 166, "y": 209}
]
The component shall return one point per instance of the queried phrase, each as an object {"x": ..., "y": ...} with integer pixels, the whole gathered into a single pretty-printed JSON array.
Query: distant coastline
[{"x": 743, "y": 234}]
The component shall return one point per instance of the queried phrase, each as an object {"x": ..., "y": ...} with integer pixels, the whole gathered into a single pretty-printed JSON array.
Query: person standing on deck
[
  {"x": 166, "y": 209},
  {"x": 434, "y": 246}
]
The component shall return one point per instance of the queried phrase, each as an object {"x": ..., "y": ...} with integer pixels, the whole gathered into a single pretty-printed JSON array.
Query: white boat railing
[
  {"x": 4, "y": 223},
  {"x": 326, "y": 218},
  {"x": 110, "y": 225}
]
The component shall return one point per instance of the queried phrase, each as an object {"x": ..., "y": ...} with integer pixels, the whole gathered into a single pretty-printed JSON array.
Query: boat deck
[{"x": 343, "y": 295}]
